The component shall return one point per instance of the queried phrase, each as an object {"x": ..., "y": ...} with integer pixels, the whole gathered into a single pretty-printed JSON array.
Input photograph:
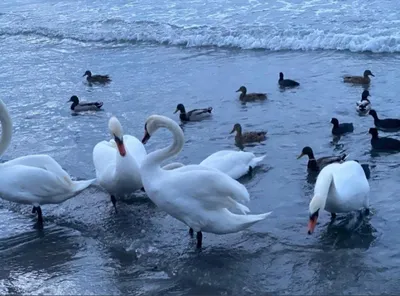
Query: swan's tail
[
  {"x": 245, "y": 221},
  {"x": 257, "y": 160},
  {"x": 82, "y": 185}
]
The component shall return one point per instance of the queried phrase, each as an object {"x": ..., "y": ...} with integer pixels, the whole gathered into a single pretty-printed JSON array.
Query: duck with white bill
[{"x": 203, "y": 200}]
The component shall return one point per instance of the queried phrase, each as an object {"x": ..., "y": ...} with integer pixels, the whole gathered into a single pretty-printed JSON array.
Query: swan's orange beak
[
  {"x": 311, "y": 224},
  {"x": 146, "y": 137},
  {"x": 120, "y": 146}
]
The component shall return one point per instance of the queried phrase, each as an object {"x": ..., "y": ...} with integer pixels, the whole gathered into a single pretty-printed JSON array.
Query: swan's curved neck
[
  {"x": 160, "y": 155},
  {"x": 6, "y": 128},
  {"x": 321, "y": 189}
]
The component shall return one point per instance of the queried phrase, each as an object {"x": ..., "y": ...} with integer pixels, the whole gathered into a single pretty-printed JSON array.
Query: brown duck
[
  {"x": 247, "y": 137},
  {"x": 244, "y": 96},
  {"x": 359, "y": 79},
  {"x": 102, "y": 79}
]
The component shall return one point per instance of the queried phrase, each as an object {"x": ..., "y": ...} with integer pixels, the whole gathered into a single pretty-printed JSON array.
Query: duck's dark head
[
  {"x": 373, "y": 113},
  {"x": 237, "y": 127},
  {"x": 368, "y": 73},
  {"x": 365, "y": 95},
  {"x": 180, "y": 108},
  {"x": 374, "y": 132},
  {"x": 74, "y": 99},
  {"x": 242, "y": 89},
  {"x": 335, "y": 122},
  {"x": 87, "y": 73},
  {"x": 280, "y": 76},
  {"x": 306, "y": 151}
]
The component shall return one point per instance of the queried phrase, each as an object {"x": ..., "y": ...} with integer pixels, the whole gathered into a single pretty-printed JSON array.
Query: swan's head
[
  {"x": 116, "y": 131},
  {"x": 154, "y": 122},
  {"x": 315, "y": 205},
  {"x": 87, "y": 73}
]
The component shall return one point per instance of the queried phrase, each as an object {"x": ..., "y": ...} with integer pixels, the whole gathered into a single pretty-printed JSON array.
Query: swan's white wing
[
  {"x": 220, "y": 191},
  {"x": 233, "y": 163},
  {"x": 28, "y": 184},
  {"x": 135, "y": 148},
  {"x": 104, "y": 155},
  {"x": 42, "y": 161}
]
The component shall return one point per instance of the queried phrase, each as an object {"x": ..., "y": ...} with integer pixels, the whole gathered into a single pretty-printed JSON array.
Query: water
[{"x": 198, "y": 53}]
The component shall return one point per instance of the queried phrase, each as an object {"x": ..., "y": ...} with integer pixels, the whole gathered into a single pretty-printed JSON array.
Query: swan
[
  {"x": 195, "y": 195},
  {"x": 117, "y": 162},
  {"x": 340, "y": 188},
  {"x": 33, "y": 179}
]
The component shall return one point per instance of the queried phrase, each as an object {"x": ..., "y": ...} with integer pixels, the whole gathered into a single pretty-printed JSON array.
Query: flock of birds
[{"x": 201, "y": 196}]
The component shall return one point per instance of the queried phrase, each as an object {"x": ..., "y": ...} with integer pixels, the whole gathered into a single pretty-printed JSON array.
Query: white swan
[
  {"x": 118, "y": 161},
  {"x": 233, "y": 163},
  {"x": 195, "y": 195},
  {"x": 340, "y": 188},
  {"x": 33, "y": 179}
]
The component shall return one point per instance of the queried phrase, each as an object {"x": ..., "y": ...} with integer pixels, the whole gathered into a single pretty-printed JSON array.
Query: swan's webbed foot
[
  {"x": 199, "y": 237},
  {"x": 333, "y": 216},
  {"x": 114, "y": 202},
  {"x": 191, "y": 232}
]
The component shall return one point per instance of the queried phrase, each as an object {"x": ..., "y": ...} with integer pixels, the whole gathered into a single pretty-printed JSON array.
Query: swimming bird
[
  {"x": 387, "y": 125},
  {"x": 359, "y": 79},
  {"x": 247, "y": 137},
  {"x": 244, "y": 96},
  {"x": 33, "y": 179},
  {"x": 286, "y": 82},
  {"x": 385, "y": 143},
  {"x": 193, "y": 115},
  {"x": 76, "y": 106},
  {"x": 318, "y": 164},
  {"x": 340, "y": 188},
  {"x": 101, "y": 79},
  {"x": 117, "y": 162},
  {"x": 364, "y": 105},
  {"x": 196, "y": 195},
  {"x": 340, "y": 129}
]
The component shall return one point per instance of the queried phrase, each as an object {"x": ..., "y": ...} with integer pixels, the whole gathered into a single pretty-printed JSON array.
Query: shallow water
[{"x": 199, "y": 53}]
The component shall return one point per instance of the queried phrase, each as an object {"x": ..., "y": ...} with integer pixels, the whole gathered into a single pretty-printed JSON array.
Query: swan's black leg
[
  {"x": 34, "y": 210},
  {"x": 250, "y": 172},
  {"x": 114, "y": 202},
  {"x": 199, "y": 237},
  {"x": 191, "y": 232},
  {"x": 333, "y": 216},
  {"x": 38, "y": 210}
]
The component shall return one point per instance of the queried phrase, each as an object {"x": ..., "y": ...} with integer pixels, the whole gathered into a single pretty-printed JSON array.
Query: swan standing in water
[
  {"x": 34, "y": 179},
  {"x": 195, "y": 195},
  {"x": 340, "y": 188},
  {"x": 118, "y": 161}
]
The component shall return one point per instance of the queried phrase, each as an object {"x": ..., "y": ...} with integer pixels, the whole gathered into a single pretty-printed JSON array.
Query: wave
[{"x": 245, "y": 37}]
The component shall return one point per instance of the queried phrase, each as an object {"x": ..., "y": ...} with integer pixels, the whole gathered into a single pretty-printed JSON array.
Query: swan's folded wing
[
  {"x": 210, "y": 187},
  {"x": 32, "y": 182},
  {"x": 135, "y": 148},
  {"x": 42, "y": 161},
  {"x": 104, "y": 154}
]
